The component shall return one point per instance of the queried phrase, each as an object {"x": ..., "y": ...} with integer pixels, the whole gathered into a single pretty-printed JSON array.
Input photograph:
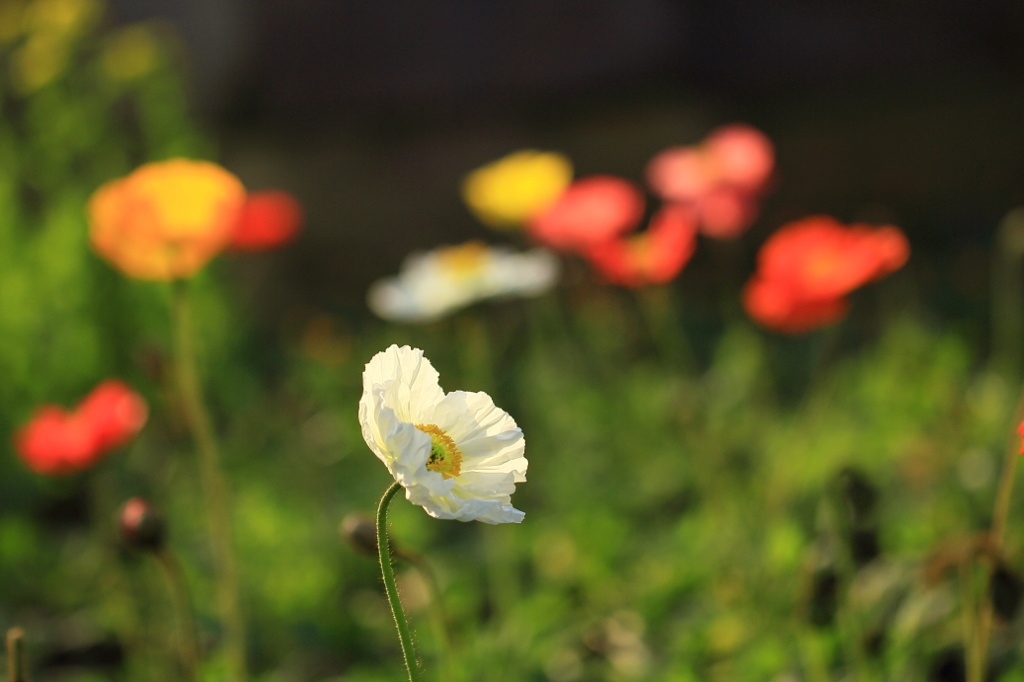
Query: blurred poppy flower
[
  {"x": 165, "y": 220},
  {"x": 592, "y": 211},
  {"x": 1020, "y": 430},
  {"x": 57, "y": 441},
  {"x": 432, "y": 284},
  {"x": 507, "y": 192},
  {"x": 807, "y": 268},
  {"x": 268, "y": 219},
  {"x": 652, "y": 257},
  {"x": 723, "y": 177}
]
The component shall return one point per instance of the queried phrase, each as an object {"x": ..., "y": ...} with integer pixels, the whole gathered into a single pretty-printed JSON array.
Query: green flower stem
[
  {"x": 979, "y": 656},
  {"x": 183, "y": 611},
  {"x": 661, "y": 315},
  {"x": 388, "y": 571},
  {"x": 16, "y": 656},
  {"x": 214, "y": 487}
]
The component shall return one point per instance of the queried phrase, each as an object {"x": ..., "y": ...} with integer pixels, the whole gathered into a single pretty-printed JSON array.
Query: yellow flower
[
  {"x": 166, "y": 220},
  {"x": 507, "y": 192}
]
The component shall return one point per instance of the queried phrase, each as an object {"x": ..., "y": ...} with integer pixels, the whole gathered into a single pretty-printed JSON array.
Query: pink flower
[{"x": 722, "y": 177}]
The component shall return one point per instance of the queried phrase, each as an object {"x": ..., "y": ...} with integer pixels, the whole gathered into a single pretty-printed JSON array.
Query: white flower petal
[
  {"x": 400, "y": 390},
  {"x": 428, "y": 288},
  {"x": 408, "y": 380}
]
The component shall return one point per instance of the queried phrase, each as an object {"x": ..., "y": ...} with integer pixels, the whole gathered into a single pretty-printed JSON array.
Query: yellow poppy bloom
[
  {"x": 166, "y": 220},
  {"x": 509, "y": 191}
]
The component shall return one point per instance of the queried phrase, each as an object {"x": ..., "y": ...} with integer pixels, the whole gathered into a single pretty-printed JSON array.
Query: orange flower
[
  {"x": 165, "y": 220},
  {"x": 268, "y": 219},
  {"x": 807, "y": 268},
  {"x": 56, "y": 441},
  {"x": 593, "y": 210},
  {"x": 722, "y": 177},
  {"x": 652, "y": 257}
]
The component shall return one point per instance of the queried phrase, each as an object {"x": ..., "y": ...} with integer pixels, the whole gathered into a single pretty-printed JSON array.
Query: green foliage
[{"x": 684, "y": 521}]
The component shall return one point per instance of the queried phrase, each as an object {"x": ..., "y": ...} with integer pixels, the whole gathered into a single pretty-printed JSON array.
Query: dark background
[{"x": 910, "y": 112}]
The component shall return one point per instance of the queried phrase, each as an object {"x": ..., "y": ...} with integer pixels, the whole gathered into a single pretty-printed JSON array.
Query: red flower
[
  {"x": 591, "y": 211},
  {"x": 57, "y": 441},
  {"x": 1020, "y": 430},
  {"x": 807, "y": 268},
  {"x": 267, "y": 220},
  {"x": 652, "y": 257},
  {"x": 721, "y": 177}
]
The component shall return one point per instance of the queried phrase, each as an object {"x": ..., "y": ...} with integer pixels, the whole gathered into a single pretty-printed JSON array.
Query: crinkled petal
[{"x": 400, "y": 390}]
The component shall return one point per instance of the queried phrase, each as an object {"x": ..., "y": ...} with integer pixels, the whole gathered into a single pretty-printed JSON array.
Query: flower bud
[
  {"x": 142, "y": 528},
  {"x": 360, "y": 532}
]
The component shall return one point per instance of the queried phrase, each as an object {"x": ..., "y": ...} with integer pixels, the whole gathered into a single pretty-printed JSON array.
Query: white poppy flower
[
  {"x": 434, "y": 283},
  {"x": 457, "y": 455}
]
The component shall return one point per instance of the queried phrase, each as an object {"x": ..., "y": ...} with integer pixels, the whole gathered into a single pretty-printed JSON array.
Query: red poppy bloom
[
  {"x": 591, "y": 211},
  {"x": 777, "y": 305},
  {"x": 722, "y": 177},
  {"x": 652, "y": 257},
  {"x": 58, "y": 441},
  {"x": 267, "y": 220},
  {"x": 1020, "y": 430},
  {"x": 807, "y": 268}
]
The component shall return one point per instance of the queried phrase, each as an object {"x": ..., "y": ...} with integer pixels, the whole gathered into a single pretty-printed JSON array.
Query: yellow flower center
[
  {"x": 465, "y": 260},
  {"x": 445, "y": 457}
]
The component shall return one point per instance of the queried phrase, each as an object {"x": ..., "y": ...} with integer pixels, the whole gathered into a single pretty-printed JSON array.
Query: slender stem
[
  {"x": 967, "y": 586},
  {"x": 16, "y": 656},
  {"x": 999, "y": 516},
  {"x": 213, "y": 484},
  {"x": 388, "y": 571},
  {"x": 183, "y": 611},
  {"x": 661, "y": 316}
]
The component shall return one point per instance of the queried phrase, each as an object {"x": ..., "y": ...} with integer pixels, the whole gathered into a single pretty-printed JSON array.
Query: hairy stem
[
  {"x": 388, "y": 572},
  {"x": 189, "y": 650},
  {"x": 999, "y": 515},
  {"x": 213, "y": 485}
]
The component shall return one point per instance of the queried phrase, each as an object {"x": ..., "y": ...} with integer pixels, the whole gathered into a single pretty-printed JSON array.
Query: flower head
[
  {"x": 722, "y": 177},
  {"x": 592, "y": 211},
  {"x": 432, "y": 284},
  {"x": 509, "y": 191},
  {"x": 808, "y": 266},
  {"x": 457, "y": 455},
  {"x": 651, "y": 257},
  {"x": 268, "y": 219},
  {"x": 57, "y": 441},
  {"x": 165, "y": 220}
]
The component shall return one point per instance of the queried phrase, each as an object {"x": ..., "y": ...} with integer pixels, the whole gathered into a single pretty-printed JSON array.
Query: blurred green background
[{"x": 706, "y": 500}]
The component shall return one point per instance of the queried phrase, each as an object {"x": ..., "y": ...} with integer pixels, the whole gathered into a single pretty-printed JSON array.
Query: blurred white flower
[
  {"x": 432, "y": 284},
  {"x": 457, "y": 455}
]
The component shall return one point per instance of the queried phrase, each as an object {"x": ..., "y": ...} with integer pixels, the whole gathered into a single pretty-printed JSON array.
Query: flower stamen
[{"x": 445, "y": 457}]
